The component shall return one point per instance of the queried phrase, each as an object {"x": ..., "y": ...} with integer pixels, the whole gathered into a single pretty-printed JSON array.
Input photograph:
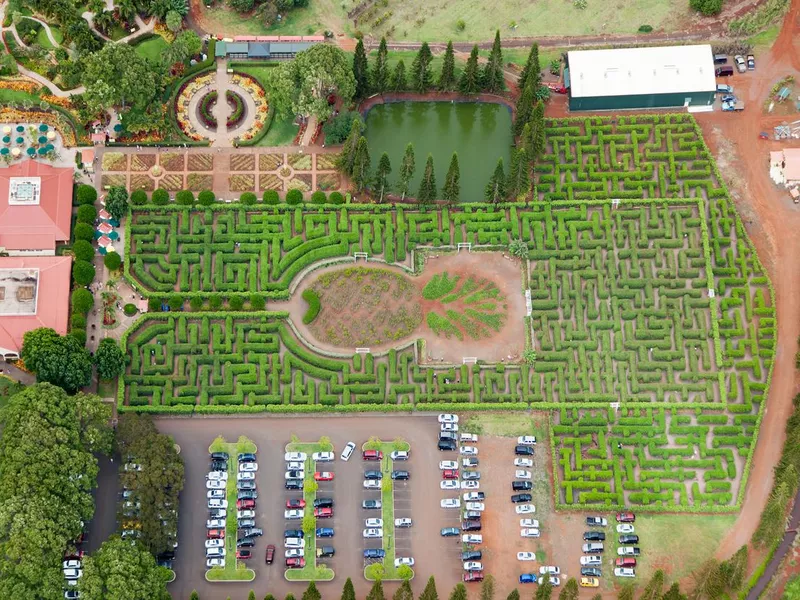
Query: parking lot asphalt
[{"x": 418, "y": 498}]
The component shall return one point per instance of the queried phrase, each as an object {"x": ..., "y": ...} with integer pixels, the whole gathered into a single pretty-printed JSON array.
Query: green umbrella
[
  {"x": 4, "y": 151},
  {"x": 117, "y": 127},
  {"x": 42, "y": 127},
  {"x": 98, "y": 234},
  {"x": 31, "y": 151},
  {"x": 113, "y": 235},
  {"x": 20, "y": 140},
  {"x": 50, "y": 147},
  {"x": 42, "y": 151},
  {"x": 102, "y": 251},
  {"x": 6, "y": 140},
  {"x": 42, "y": 139},
  {"x": 20, "y": 128}
]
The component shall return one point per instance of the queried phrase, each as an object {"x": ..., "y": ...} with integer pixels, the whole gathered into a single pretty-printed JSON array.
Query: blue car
[
  {"x": 374, "y": 553},
  {"x": 450, "y": 532},
  {"x": 324, "y": 532},
  {"x": 528, "y": 578}
]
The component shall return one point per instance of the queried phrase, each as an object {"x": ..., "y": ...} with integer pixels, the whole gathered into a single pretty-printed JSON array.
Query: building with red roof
[
  {"x": 34, "y": 292},
  {"x": 35, "y": 208}
]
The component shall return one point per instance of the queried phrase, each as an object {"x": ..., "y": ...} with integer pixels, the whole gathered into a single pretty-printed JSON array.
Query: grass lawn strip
[
  {"x": 235, "y": 570},
  {"x": 311, "y": 572},
  {"x": 387, "y": 504}
]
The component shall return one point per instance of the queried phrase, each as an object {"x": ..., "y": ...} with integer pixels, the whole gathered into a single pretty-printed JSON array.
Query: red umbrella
[
  {"x": 104, "y": 241},
  {"x": 103, "y": 214}
]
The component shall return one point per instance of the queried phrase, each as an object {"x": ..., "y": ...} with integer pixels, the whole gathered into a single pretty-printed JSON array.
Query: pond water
[{"x": 480, "y": 132}]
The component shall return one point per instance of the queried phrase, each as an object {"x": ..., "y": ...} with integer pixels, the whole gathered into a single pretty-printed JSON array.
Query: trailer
[{"x": 732, "y": 106}]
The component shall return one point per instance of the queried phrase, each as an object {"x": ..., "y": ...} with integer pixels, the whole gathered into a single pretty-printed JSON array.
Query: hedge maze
[{"x": 652, "y": 319}]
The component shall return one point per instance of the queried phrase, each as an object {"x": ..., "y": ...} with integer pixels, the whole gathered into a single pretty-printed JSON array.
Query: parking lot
[{"x": 417, "y": 498}]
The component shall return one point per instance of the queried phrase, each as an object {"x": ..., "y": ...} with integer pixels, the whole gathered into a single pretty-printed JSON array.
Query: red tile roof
[
  {"x": 52, "y": 305},
  {"x": 36, "y": 227}
]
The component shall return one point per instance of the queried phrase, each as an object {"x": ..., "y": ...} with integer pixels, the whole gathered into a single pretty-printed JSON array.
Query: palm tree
[
  {"x": 104, "y": 21},
  {"x": 126, "y": 9}
]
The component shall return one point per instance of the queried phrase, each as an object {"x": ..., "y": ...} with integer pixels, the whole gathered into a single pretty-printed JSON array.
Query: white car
[
  {"x": 71, "y": 574},
  {"x": 295, "y": 466},
  {"x": 448, "y": 484},
  {"x": 522, "y": 474},
  {"x": 248, "y": 466},
  {"x": 245, "y": 476},
  {"x": 471, "y": 485},
  {"x": 526, "y": 556},
  {"x": 526, "y": 440},
  {"x": 473, "y": 496},
  {"x": 323, "y": 456},
  {"x": 591, "y": 561},
  {"x": 525, "y": 509},
  {"x": 215, "y": 494},
  {"x": 472, "y": 538},
  {"x": 468, "y": 451},
  {"x": 530, "y": 532},
  {"x": 399, "y": 455},
  {"x": 217, "y": 475},
  {"x": 468, "y": 437},
  {"x": 473, "y": 566},
  {"x": 402, "y": 522},
  {"x": 292, "y": 456},
  {"x": 448, "y": 418},
  {"x": 555, "y": 581},
  {"x": 448, "y": 464},
  {"x": 372, "y": 484},
  {"x": 373, "y": 533},
  {"x": 215, "y": 562},
  {"x": 217, "y": 503},
  {"x": 215, "y": 524},
  {"x": 476, "y": 506},
  {"x": 71, "y": 564},
  {"x": 293, "y": 475},
  {"x": 245, "y": 514},
  {"x": 620, "y": 572},
  {"x": 373, "y": 523},
  {"x": 348, "y": 451},
  {"x": 628, "y": 551},
  {"x": 293, "y": 513},
  {"x": 523, "y": 462},
  {"x": 469, "y": 462},
  {"x": 549, "y": 570},
  {"x": 403, "y": 560},
  {"x": 624, "y": 528},
  {"x": 449, "y": 427},
  {"x": 294, "y": 543},
  {"x": 215, "y": 543},
  {"x": 216, "y": 484},
  {"x": 294, "y": 552},
  {"x": 529, "y": 523},
  {"x": 450, "y": 503}
]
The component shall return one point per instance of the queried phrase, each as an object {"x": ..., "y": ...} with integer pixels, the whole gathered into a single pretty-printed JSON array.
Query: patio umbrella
[
  {"x": 114, "y": 235},
  {"x": 105, "y": 228},
  {"x": 20, "y": 128},
  {"x": 42, "y": 139},
  {"x": 15, "y": 152},
  {"x": 110, "y": 249},
  {"x": 31, "y": 151},
  {"x": 7, "y": 140},
  {"x": 113, "y": 222},
  {"x": 42, "y": 151},
  {"x": 20, "y": 140},
  {"x": 42, "y": 127},
  {"x": 51, "y": 135},
  {"x": 97, "y": 235},
  {"x": 104, "y": 242},
  {"x": 50, "y": 147},
  {"x": 4, "y": 151},
  {"x": 118, "y": 127},
  {"x": 103, "y": 214},
  {"x": 7, "y": 130},
  {"x": 102, "y": 251}
]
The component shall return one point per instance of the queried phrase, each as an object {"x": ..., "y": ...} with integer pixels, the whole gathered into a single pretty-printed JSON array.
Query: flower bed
[
  {"x": 252, "y": 87},
  {"x": 187, "y": 90},
  {"x": 204, "y": 109},
  {"x": 237, "y": 104}
]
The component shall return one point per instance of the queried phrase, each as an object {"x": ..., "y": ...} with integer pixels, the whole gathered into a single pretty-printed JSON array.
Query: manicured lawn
[
  {"x": 44, "y": 41},
  {"x": 505, "y": 425},
  {"x": 766, "y": 38},
  {"x": 281, "y": 132},
  {"x": 17, "y": 96},
  {"x": 234, "y": 570},
  {"x": 151, "y": 49},
  {"x": 107, "y": 389}
]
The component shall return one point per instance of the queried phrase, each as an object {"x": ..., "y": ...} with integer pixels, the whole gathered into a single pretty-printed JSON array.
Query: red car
[
  {"x": 295, "y": 503},
  {"x": 245, "y": 504},
  {"x": 372, "y": 455},
  {"x": 556, "y": 87},
  {"x": 626, "y": 517},
  {"x": 449, "y": 474},
  {"x": 323, "y": 476},
  {"x": 244, "y": 554},
  {"x": 270, "y": 553},
  {"x": 473, "y": 576},
  {"x": 625, "y": 562},
  {"x": 323, "y": 513},
  {"x": 77, "y": 555},
  {"x": 295, "y": 563},
  {"x": 213, "y": 534}
]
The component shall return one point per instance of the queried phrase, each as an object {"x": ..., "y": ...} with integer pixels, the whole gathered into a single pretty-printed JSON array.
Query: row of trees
[{"x": 472, "y": 80}]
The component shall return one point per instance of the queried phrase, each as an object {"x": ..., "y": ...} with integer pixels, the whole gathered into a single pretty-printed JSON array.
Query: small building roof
[
  {"x": 46, "y": 219},
  {"x": 791, "y": 169},
  {"x": 641, "y": 71},
  {"x": 47, "y": 306},
  {"x": 293, "y": 47},
  {"x": 237, "y": 47},
  {"x": 220, "y": 50},
  {"x": 87, "y": 156},
  {"x": 258, "y": 49}
]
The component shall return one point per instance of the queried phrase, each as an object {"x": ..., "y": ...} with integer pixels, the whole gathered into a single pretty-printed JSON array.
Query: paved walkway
[
  {"x": 47, "y": 31},
  {"x": 221, "y": 109}
]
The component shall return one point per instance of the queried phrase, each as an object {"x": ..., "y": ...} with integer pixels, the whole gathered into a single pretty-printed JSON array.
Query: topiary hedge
[
  {"x": 294, "y": 196},
  {"x": 314, "y": 305},
  {"x": 271, "y": 197}
]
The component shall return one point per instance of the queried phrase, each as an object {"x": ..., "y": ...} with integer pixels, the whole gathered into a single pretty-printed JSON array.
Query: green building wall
[{"x": 640, "y": 101}]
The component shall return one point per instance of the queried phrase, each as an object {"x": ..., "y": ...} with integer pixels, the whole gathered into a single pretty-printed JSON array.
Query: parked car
[
  {"x": 452, "y": 427},
  {"x": 518, "y": 498},
  {"x": 217, "y": 503},
  {"x": 372, "y": 455},
  {"x": 372, "y": 484},
  {"x": 374, "y": 553},
  {"x": 526, "y": 556},
  {"x": 472, "y": 576},
  {"x": 251, "y": 532},
  {"x": 528, "y": 578},
  {"x": 625, "y": 528},
  {"x": 246, "y": 485},
  {"x": 446, "y": 418},
  {"x": 210, "y": 564},
  {"x": 372, "y": 533},
  {"x": 402, "y": 522},
  {"x": 473, "y": 565},
  {"x": 449, "y": 484},
  {"x": 474, "y": 496},
  {"x": 751, "y": 62},
  {"x": 591, "y": 572},
  {"x": 472, "y": 514},
  {"x": 622, "y": 572},
  {"x": 400, "y": 475},
  {"x": 323, "y": 513},
  {"x": 470, "y": 485},
  {"x": 449, "y": 531},
  {"x": 529, "y": 532},
  {"x": 629, "y": 539},
  {"x": 294, "y": 474},
  {"x": 348, "y": 451},
  {"x": 216, "y": 484},
  {"x": 295, "y": 563},
  {"x": 468, "y": 451},
  {"x": 471, "y": 525},
  {"x": 472, "y": 538},
  {"x": 373, "y": 475},
  {"x": 450, "y": 474},
  {"x": 247, "y": 495},
  {"x": 625, "y": 562},
  {"x": 399, "y": 455},
  {"x": 741, "y": 66},
  {"x": 447, "y": 435},
  {"x": 471, "y": 555},
  {"x": 471, "y": 475},
  {"x": 324, "y": 532},
  {"x": 629, "y": 551},
  {"x": 294, "y": 542},
  {"x": 404, "y": 560},
  {"x": 370, "y": 504},
  {"x": 323, "y": 456},
  {"x": 295, "y": 503},
  {"x": 476, "y": 506},
  {"x": 244, "y": 554},
  {"x": 595, "y": 548},
  {"x": 215, "y": 543},
  {"x": 293, "y": 484},
  {"x": 246, "y": 542},
  {"x": 292, "y": 514},
  {"x": 270, "y": 554},
  {"x": 519, "y": 486},
  {"x": 323, "y": 476},
  {"x": 215, "y": 523},
  {"x": 248, "y": 466},
  {"x": 470, "y": 462},
  {"x": 592, "y": 582},
  {"x": 447, "y": 465},
  {"x": 523, "y": 450},
  {"x": 447, "y": 445},
  {"x": 246, "y": 457},
  {"x": 626, "y": 517},
  {"x": 373, "y": 522},
  {"x": 591, "y": 561},
  {"x": 596, "y": 522},
  {"x": 450, "y": 503},
  {"x": 212, "y": 534},
  {"x": 525, "y": 509},
  {"x": 325, "y": 551},
  {"x": 290, "y": 456},
  {"x": 724, "y": 89},
  {"x": 209, "y": 494},
  {"x": 293, "y": 533},
  {"x": 594, "y": 536},
  {"x": 526, "y": 440}
]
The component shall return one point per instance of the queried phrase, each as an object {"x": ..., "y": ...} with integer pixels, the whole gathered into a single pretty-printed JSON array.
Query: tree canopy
[
  {"x": 109, "y": 358},
  {"x": 118, "y": 76},
  {"x": 56, "y": 359},
  {"x": 117, "y": 202}
]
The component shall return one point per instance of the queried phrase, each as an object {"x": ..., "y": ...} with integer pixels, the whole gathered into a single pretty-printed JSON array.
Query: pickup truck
[{"x": 731, "y": 106}]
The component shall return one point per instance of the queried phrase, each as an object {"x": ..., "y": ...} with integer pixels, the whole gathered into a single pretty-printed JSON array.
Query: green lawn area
[
  {"x": 765, "y": 39},
  {"x": 506, "y": 425},
  {"x": 152, "y": 48},
  {"x": 107, "y": 389},
  {"x": 16, "y": 96},
  {"x": 282, "y": 130},
  {"x": 320, "y": 15},
  {"x": 44, "y": 41},
  {"x": 117, "y": 32},
  {"x": 234, "y": 570},
  {"x": 312, "y": 571}
]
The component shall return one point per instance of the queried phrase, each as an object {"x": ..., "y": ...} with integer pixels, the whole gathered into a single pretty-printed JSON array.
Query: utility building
[{"x": 637, "y": 78}]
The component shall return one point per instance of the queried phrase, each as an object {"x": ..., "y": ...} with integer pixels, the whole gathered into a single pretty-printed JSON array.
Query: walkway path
[
  {"x": 49, "y": 33},
  {"x": 221, "y": 108}
]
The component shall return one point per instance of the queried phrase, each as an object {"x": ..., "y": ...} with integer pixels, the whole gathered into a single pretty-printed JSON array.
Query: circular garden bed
[
  {"x": 238, "y": 111},
  {"x": 205, "y": 110}
]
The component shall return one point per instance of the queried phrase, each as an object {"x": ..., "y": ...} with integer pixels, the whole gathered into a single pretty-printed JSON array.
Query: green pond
[{"x": 479, "y": 131}]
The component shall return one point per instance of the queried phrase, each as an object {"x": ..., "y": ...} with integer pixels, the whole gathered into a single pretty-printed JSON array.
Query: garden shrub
[
  {"x": 77, "y": 321},
  {"x": 87, "y": 214},
  {"x": 153, "y": 304},
  {"x": 130, "y": 309},
  {"x": 257, "y": 302},
  {"x": 80, "y": 335},
  {"x": 271, "y": 197},
  {"x": 206, "y": 198},
  {"x": 336, "y": 198},
  {"x": 112, "y": 261},
  {"x": 294, "y": 196},
  {"x": 184, "y": 197},
  {"x": 83, "y": 231},
  {"x": 319, "y": 197},
  {"x": 160, "y": 197},
  {"x": 138, "y": 197},
  {"x": 236, "y": 303},
  {"x": 83, "y": 272},
  {"x": 175, "y": 302},
  {"x": 248, "y": 198},
  {"x": 645, "y": 28},
  {"x": 86, "y": 194},
  {"x": 314, "y": 306},
  {"x": 195, "y": 303},
  {"x": 337, "y": 129},
  {"x": 83, "y": 250},
  {"x": 215, "y": 302},
  {"x": 82, "y": 301}
]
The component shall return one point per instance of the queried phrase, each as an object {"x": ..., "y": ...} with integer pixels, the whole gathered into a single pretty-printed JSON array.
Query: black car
[
  {"x": 523, "y": 450},
  {"x": 594, "y": 536},
  {"x": 219, "y": 456},
  {"x": 293, "y": 533},
  {"x": 591, "y": 572},
  {"x": 247, "y": 495},
  {"x": 164, "y": 563},
  {"x": 471, "y": 475},
  {"x": 247, "y": 457},
  {"x": 325, "y": 551},
  {"x": 249, "y": 532},
  {"x": 218, "y": 465},
  {"x": 517, "y": 498},
  {"x": 72, "y": 594},
  {"x": 374, "y": 553},
  {"x": 245, "y": 485},
  {"x": 629, "y": 539},
  {"x": 400, "y": 475},
  {"x": 371, "y": 504},
  {"x": 247, "y": 542},
  {"x": 323, "y": 503},
  {"x": 373, "y": 475},
  {"x": 168, "y": 555},
  {"x": 293, "y": 484},
  {"x": 596, "y": 522},
  {"x": 447, "y": 445},
  {"x": 471, "y": 555},
  {"x": 470, "y": 525},
  {"x": 519, "y": 486}
]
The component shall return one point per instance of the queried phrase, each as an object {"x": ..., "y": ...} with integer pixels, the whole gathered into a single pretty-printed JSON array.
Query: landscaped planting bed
[
  {"x": 142, "y": 162},
  {"x": 205, "y": 110},
  {"x": 269, "y": 182},
  {"x": 141, "y": 181},
  {"x": 326, "y": 161},
  {"x": 172, "y": 161},
  {"x": 109, "y": 181},
  {"x": 242, "y": 183},
  {"x": 300, "y": 162},
  {"x": 171, "y": 182},
  {"x": 201, "y": 162},
  {"x": 269, "y": 162},
  {"x": 198, "y": 182},
  {"x": 243, "y": 162},
  {"x": 657, "y": 302},
  {"x": 115, "y": 161},
  {"x": 236, "y": 103}
]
